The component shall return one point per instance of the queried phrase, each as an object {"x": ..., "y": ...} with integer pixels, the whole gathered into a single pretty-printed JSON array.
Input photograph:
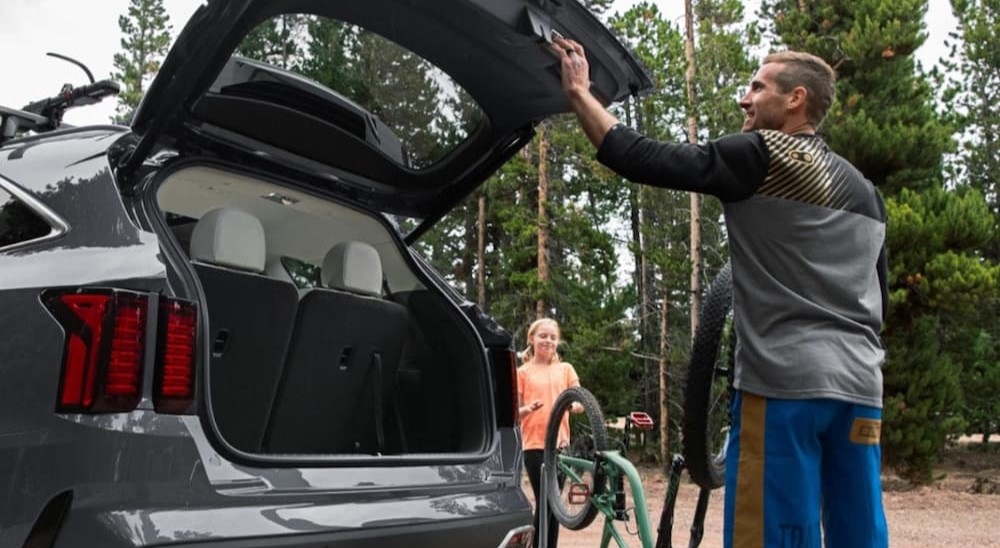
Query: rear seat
[
  {"x": 337, "y": 392},
  {"x": 250, "y": 319}
]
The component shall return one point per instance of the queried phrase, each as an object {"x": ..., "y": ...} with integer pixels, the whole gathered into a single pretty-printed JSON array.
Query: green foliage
[
  {"x": 145, "y": 40},
  {"x": 921, "y": 411},
  {"x": 939, "y": 283},
  {"x": 724, "y": 66},
  {"x": 936, "y": 268},
  {"x": 981, "y": 384},
  {"x": 276, "y": 41},
  {"x": 974, "y": 92}
]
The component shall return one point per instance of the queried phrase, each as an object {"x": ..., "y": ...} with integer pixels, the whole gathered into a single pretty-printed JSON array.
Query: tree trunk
[
  {"x": 645, "y": 289},
  {"x": 664, "y": 384},
  {"x": 543, "y": 222},
  {"x": 481, "y": 252},
  {"x": 692, "y": 126}
]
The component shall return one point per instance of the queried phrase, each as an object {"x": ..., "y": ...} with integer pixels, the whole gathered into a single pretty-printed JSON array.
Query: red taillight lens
[
  {"x": 124, "y": 372},
  {"x": 83, "y": 341},
  {"x": 173, "y": 390},
  {"x": 102, "y": 365}
]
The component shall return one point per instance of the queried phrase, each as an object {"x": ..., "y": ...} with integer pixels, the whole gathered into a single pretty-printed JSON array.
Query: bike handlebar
[{"x": 88, "y": 94}]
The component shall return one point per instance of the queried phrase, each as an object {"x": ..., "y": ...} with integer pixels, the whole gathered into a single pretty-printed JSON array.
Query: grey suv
[{"x": 216, "y": 329}]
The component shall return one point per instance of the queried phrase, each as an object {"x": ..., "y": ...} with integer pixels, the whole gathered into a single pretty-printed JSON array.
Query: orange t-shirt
[{"x": 544, "y": 383}]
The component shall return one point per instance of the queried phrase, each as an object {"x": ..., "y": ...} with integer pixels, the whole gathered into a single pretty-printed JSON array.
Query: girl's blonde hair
[{"x": 529, "y": 352}]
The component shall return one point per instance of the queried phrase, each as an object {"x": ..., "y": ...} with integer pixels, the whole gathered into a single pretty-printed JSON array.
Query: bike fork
[{"x": 665, "y": 531}]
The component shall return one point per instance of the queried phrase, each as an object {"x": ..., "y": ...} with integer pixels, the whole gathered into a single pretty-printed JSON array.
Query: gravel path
[{"x": 945, "y": 515}]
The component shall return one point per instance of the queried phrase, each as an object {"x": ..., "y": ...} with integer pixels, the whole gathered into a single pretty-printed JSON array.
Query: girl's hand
[{"x": 531, "y": 407}]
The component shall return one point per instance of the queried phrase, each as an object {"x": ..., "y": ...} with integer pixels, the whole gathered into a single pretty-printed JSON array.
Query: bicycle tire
[
  {"x": 588, "y": 448},
  {"x": 706, "y": 467}
]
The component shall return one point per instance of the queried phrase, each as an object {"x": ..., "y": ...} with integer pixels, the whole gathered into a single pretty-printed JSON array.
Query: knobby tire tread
[
  {"x": 705, "y": 470},
  {"x": 573, "y": 521}
]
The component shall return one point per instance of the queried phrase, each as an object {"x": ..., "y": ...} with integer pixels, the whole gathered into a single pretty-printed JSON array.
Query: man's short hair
[{"x": 811, "y": 72}]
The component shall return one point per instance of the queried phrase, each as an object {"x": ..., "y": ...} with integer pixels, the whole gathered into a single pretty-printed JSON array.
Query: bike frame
[{"x": 615, "y": 468}]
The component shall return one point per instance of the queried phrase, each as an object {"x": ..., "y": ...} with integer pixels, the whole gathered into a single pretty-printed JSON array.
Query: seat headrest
[
  {"x": 229, "y": 237},
  {"x": 354, "y": 267}
]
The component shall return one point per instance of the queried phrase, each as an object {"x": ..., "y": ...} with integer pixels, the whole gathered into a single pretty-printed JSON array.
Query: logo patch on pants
[{"x": 866, "y": 431}]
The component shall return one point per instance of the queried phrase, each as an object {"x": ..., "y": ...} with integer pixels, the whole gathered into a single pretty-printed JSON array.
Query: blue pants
[{"x": 801, "y": 472}]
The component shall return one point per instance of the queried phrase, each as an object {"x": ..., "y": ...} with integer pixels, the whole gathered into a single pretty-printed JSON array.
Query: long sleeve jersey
[{"x": 807, "y": 246}]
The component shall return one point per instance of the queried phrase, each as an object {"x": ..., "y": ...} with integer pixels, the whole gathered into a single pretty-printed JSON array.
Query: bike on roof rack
[{"x": 46, "y": 114}]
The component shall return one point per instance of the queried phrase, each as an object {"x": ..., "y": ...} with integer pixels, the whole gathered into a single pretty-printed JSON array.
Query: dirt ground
[{"x": 961, "y": 510}]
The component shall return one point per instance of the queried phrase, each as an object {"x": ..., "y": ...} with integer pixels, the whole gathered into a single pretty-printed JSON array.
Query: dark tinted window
[
  {"x": 425, "y": 112},
  {"x": 18, "y": 223}
]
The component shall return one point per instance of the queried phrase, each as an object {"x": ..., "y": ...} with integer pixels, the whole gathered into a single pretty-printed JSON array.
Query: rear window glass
[
  {"x": 304, "y": 275},
  {"x": 425, "y": 110},
  {"x": 18, "y": 222}
]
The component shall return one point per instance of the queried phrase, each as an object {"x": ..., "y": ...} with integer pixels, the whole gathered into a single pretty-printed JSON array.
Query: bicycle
[
  {"x": 586, "y": 478},
  {"x": 47, "y": 114}
]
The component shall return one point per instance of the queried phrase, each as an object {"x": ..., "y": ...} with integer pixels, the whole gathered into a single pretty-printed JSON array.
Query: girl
[{"x": 540, "y": 380}]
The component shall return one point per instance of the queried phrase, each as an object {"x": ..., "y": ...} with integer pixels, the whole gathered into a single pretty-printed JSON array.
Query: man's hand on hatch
[
  {"x": 575, "y": 68},
  {"x": 594, "y": 118}
]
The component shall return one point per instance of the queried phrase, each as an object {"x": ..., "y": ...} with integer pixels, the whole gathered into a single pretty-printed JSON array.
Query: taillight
[
  {"x": 173, "y": 388},
  {"x": 104, "y": 357},
  {"x": 102, "y": 364}
]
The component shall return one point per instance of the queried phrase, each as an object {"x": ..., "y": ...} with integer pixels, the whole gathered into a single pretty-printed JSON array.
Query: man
[{"x": 806, "y": 235}]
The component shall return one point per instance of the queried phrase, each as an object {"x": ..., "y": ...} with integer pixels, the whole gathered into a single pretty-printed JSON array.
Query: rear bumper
[
  {"x": 145, "y": 530},
  {"x": 149, "y": 480}
]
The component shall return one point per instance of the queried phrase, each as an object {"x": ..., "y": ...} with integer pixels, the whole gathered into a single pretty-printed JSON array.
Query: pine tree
[
  {"x": 145, "y": 41},
  {"x": 277, "y": 41},
  {"x": 975, "y": 91},
  {"x": 972, "y": 95},
  {"x": 939, "y": 285}
]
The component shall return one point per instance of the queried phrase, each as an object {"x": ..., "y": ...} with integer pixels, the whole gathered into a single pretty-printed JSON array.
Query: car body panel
[
  {"x": 70, "y": 174},
  {"x": 141, "y": 478}
]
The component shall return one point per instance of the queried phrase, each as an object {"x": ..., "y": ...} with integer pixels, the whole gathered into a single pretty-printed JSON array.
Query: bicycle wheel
[
  {"x": 708, "y": 386},
  {"x": 570, "y": 489}
]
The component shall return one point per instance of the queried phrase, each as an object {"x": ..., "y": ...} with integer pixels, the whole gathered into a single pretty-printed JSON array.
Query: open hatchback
[
  {"x": 301, "y": 187},
  {"x": 236, "y": 337}
]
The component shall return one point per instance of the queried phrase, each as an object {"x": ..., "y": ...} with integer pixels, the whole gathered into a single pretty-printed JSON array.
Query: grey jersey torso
[{"x": 808, "y": 302}]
